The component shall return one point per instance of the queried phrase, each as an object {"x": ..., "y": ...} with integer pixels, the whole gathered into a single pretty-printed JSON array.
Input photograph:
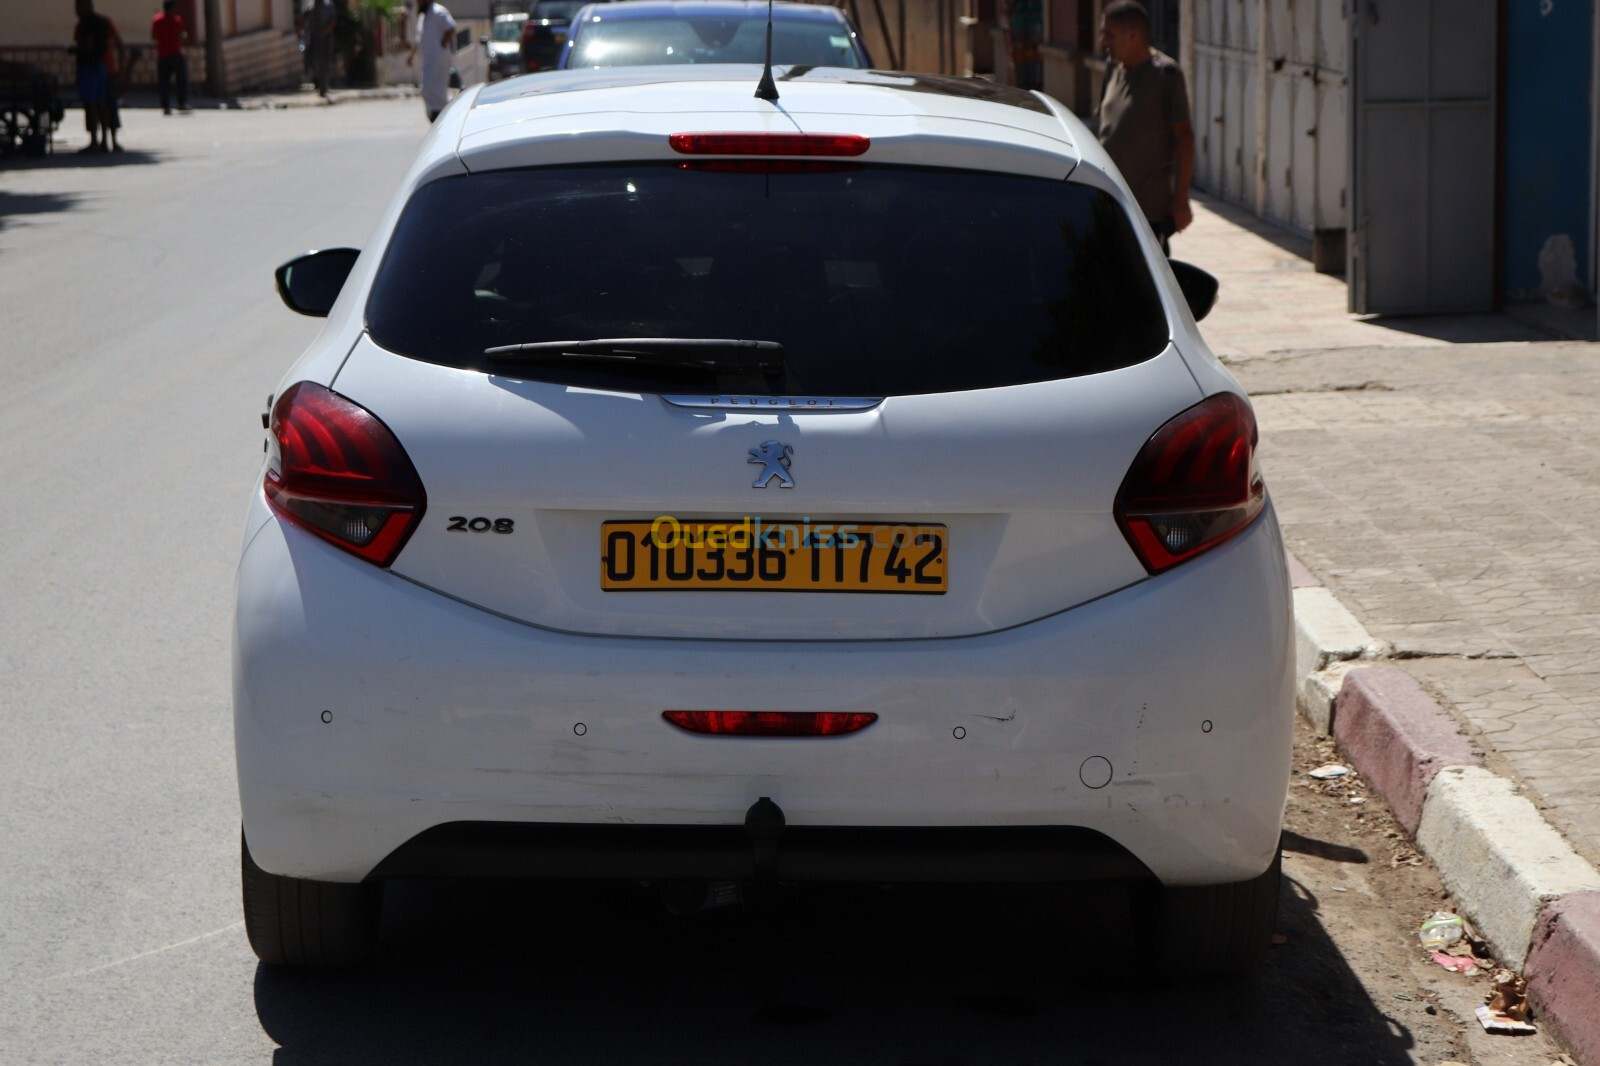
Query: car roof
[
  {"x": 573, "y": 90},
  {"x": 626, "y": 114},
  {"x": 793, "y": 12}
]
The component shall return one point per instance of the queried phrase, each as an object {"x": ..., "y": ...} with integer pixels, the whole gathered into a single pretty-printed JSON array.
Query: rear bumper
[
  {"x": 727, "y": 853},
  {"x": 370, "y": 712}
]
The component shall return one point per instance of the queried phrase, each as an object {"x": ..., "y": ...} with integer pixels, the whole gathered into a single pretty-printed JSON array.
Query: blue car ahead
[{"x": 648, "y": 32}]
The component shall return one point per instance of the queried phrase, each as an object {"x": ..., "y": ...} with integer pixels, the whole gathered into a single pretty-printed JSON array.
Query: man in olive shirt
[{"x": 1144, "y": 119}]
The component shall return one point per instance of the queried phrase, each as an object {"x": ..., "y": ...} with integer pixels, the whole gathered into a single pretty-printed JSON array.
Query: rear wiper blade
[{"x": 694, "y": 353}]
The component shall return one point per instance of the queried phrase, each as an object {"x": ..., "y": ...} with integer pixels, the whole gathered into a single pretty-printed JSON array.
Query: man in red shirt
[{"x": 169, "y": 33}]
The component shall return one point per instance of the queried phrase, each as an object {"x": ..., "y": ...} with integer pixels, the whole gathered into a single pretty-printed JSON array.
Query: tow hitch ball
[{"x": 763, "y": 825}]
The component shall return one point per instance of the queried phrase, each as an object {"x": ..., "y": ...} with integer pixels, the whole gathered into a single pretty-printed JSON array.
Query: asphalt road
[{"x": 140, "y": 336}]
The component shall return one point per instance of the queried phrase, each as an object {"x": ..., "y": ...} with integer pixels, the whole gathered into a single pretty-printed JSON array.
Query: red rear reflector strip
[
  {"x": 811, "y": 144},
  {"x": 771, "y": 723}
]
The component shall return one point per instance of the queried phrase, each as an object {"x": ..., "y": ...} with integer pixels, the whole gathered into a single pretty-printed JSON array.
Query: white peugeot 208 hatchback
[{"x": 693, "y": 487}]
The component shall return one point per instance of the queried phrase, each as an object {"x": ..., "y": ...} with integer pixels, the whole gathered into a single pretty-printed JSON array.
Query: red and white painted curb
[{"x": 1531, "y": 896}]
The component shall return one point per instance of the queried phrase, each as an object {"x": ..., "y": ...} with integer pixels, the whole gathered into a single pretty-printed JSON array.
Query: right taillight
[
  {"x": 1193, "y": 485},
  {"x": 336, "y": 471}
]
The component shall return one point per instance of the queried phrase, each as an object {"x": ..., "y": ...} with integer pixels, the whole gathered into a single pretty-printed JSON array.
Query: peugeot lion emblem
[{"x": 774, "y": 457}]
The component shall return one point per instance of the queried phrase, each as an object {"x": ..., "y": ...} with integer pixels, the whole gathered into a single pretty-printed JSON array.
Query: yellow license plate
[{"x": 748, "y": 554}]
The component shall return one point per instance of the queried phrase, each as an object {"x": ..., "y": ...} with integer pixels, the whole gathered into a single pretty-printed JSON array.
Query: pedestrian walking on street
[
  {"x": 317, "y": 21},
  {"x": 1024, "y": 20},
  {"x": 435, "y": 39},
  {"x": 169, "y": 33},
  {"x": 116, "y": 63},
  {"x": 92, "y": 45},
  {"x": 1145, "y": 124}
]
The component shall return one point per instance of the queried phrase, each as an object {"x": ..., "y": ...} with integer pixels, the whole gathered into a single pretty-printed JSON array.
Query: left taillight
[
  {"x": 335, "y": 470},
  {"x": 1193, "y": 485}
]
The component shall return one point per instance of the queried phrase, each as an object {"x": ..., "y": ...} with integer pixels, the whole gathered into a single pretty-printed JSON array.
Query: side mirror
[
  {"x": 311, "y": 283},
  {"x": 1199, "y": 288}
]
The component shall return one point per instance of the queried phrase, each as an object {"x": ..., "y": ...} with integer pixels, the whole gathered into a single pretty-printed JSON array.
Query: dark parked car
[
  {"x": 645, "y": 32},
  {"x": 504, "y": 45},
  {"x": 544, "y": 35}
]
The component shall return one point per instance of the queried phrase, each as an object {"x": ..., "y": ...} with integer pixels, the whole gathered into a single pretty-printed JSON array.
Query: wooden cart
[{"x": 30, "y": 109}]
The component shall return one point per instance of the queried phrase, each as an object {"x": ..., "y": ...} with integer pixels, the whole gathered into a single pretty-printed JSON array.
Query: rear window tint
[{"x": 877, "y": 281}]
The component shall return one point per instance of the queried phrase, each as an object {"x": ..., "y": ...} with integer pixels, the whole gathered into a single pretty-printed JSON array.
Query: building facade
[
  {"x": 1442, "y": 152},
  {"x": 258, "y": 45}
]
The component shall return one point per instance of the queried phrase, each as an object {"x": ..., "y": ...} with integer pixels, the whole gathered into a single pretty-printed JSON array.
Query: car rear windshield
[
  {"x": 875, "y": 281},
  {"x": 633, "y": 42},
  {"x": 558, "y": 10}
]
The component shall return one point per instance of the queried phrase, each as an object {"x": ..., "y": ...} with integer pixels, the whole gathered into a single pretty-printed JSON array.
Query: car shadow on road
[
  {"x": 1322, "y": 849},
  {"x": 947, "y": 975}
]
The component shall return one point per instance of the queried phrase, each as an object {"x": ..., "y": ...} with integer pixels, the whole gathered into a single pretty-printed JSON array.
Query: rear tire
[
  {"x": 295, "y": 922},
  {"x": 1219, "y": 930}
]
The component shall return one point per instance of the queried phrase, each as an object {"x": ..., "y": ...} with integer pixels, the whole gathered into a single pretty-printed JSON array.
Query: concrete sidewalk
[{"x": 1438, "y": 478}]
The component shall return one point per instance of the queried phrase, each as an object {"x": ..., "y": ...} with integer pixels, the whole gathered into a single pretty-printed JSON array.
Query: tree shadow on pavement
[
  {"x": 68, "y": 159},
  {"x": 18, "y": 204},
  {"x": 947, "y": 975}
]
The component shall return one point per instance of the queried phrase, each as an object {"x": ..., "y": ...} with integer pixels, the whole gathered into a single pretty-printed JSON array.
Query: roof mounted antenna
[{"x": 766, "y": 89}]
